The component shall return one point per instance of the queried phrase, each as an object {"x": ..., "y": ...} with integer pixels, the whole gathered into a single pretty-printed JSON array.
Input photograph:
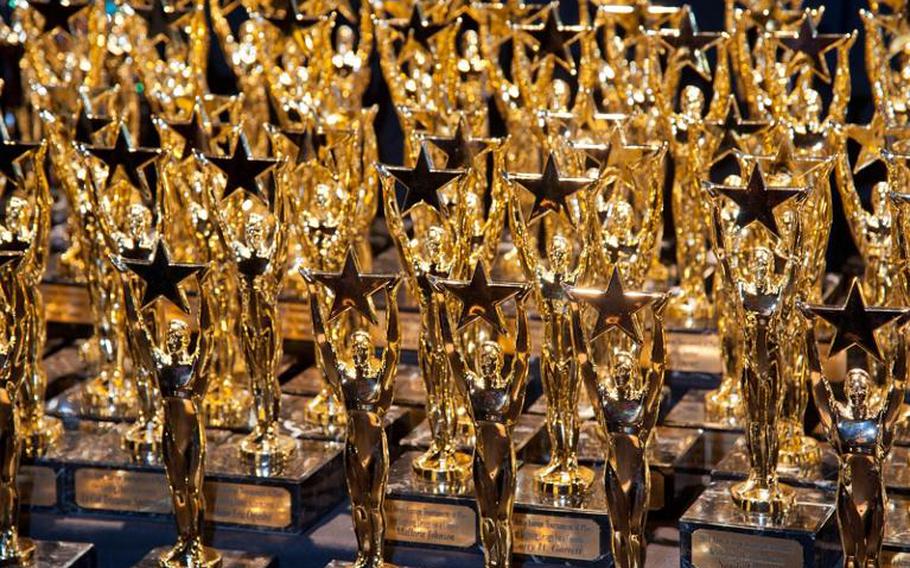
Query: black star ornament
[
  {"x": 812, "y": 45},
  {"x": 421, "y": 184},
  {"x": 550, "y": 190},
  {"x": 461, "y": 149},
  {"x": 854, "y": 323},
  {"x": 481, "y": 297},
  {"x": 730, "y": 129},
  {"x": 57, "y": 13},
  {"x": 687, "y": 37},
  {"x": 241, "y": 169},
  {"x": 615, "y": 307},
  {"x": 193, "y": 131},
  {"x": 162, "y": 277},
  {"x": 159, "y": 19},
  {"x": 553, "y": 39},
  {"x": 353, "y": 289},
  {"x": 418, "y": 29},
  {"x": 757, "y": 202},
  {"x": 123, "y": 157}
]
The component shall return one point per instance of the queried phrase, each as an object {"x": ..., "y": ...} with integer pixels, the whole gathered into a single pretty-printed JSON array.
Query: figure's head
[
  {"x": 558, "y": 254},
  {"x": 470, "y": 44},
  {"x": 764, "y": 264},
  {"x": 255, "y": 231},
  {"x": 811, "y": 108},
  {"x": 139, "y": 219},
  {"x": 344, "y": 39},
  {"x": 16, "y": 213},
  {"x": 856, "y": 387},
  {"x": 322, "y": 196},
  {"x": 361, "y": 348},
  {"x": 491, "y": 359},
  {"x": 623, "y": 368},
  {"x": 692, "y": 101},
  {"x": 177, "y": 338},
  {"x": 880, "y": 198},
  {"x": 619, "y": 218},
  {"x": 435, "y": 242},
  {"x": 559, "y": 95}
]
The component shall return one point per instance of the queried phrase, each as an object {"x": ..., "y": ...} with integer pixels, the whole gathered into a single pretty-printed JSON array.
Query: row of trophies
[{"x": 600, "y": 110}]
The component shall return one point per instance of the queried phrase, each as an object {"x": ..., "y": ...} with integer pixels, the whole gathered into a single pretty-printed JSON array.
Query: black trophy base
[
  {"x": 94, "y": 475},
  {"x": 58, "y": 554},
  {"x": 398, "y": 422},
  {"x": 714, "y": 533},
  {"x": 823, "y": 475},
  {"x": 527, "y": 431},
  {"x": 691, "y": 412},
  {"x": 409, "y": 388},
  {"x": 229, "y": 559},
  {"x": 668, "y": 448}
]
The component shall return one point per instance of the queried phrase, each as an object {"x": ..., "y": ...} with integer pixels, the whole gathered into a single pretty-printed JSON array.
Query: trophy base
[
  {"x": 346, "y": 564},
  {"x": 409, "y": 387},
  {"x": 724, "y": 406},
  {"x": 822, "y": 474},
  {"x": 560, "y": 482},
  {"x": 714, "y": 532},
  {"x": 692, "y": 412},
  {"x": 89, "y": 473},
  {"x": 398, "y": 422},
  {"x": 325, "y": 411},
  {"x": 229, "y": 413},
  {"x": 752, "y": 498},
  {"x": 41, "y": 435},
  {"x": 99, "y": 400},
  {"x": 211, "y": 558},
  {"x": 24, "y": 555},
  {"x": 228, "y": 559},
  {"x": 435, "y": 467},
  {"x": 142, "y": 442},
  {"x": 268, "y": 453},
  {"x": 55, "y": 554},
  {"x": 524, "y": 436},
  {"x": 800, "y": 451}
]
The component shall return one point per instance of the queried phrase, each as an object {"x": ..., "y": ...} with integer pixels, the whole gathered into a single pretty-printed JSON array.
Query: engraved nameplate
[
  {"x": 147, "y": 492},
  {"x": 66, "y": 304},
  {"x": 431, "y": 523},
  {"x": 556, "y": 537},
  {"x": 720, "y": 549},
  {"x": 656, "y": 501},
  {"x": 694, "y": 352},
  {"x": 38, "y": 485}
]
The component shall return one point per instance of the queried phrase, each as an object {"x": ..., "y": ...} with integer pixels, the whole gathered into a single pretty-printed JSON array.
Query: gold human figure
[
  {"x": 365, "y": 387},
  {"x": 260, "y": 262},
  {"x": 14, "y": 551},
  {"x": 182, "y": 375},
  {"x": 495, "y": 400},
  {"x": 562, "y": 475},
  {"x": 628, "y": 410},
  {"x": 862, "y": 435}
]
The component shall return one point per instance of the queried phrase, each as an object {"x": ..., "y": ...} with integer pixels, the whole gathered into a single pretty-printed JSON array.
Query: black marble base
[
  {"x": 57, "y": 554},
  {"x": 399, "y": 421},
  {"x": 735, "y": 466},
  {"x": 409, "y": 389},
  {"x": 96, "y": 476},
  {"x": 690, "y": 412},
  {"x": 528, "y": 430},
  {"x": 715, "y": 533},
  {"x": 229, "y": 559}
]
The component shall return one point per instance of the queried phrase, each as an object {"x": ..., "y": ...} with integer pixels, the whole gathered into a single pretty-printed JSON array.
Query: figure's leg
[
  {"x": 358, "y": 482},
  {"x": 506, "y": 486},
  {"x": 638, "y": 498},
  {"x": 10, "y": 449},
  {"x": 487, "y": 498},
  {"x": 379, "y": 477}
]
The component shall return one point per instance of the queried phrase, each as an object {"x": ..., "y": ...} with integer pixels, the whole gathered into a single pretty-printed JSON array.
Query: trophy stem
[
  {"x": 14, "y": 551},
  {"x": 39, "y": 431}
]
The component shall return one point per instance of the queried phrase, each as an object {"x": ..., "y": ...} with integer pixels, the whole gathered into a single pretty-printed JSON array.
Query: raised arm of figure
[
  {"x": 520, "y": 238},
  {"x": 205, "y": 346},
  {"x": 582, "y": 358},
  {"x": 837, "y": 110},
  {"x": 393, "y": 340},
  {"x": 519, "y": 372},
  {"x": 457, "y": 363},
  {"x": 395, "y": 224}
]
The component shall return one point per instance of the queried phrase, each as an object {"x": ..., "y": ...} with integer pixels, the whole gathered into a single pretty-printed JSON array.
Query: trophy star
[
  {"x": 241, "y": 169},
  {"x": 757, "y": 201},
  {"x": 730, "y": 128},
  {"x": 625, "y": 156},
  {"x": 637, "y": 17},
  {"x": 421, "y": 183},
  {"x": 158, "y": 19},
  {"x": 553, "y": 38},
  {"x": 57, "y": 13},
  {"x": 308, "y": 142},
  {"x": 873, "y": 138},
  {"x": 291, "y": 19},
  {"x": 11, "y": 152},
  {"x": 7, "y": 256},
  {"x": 855, "y": 323},
  {"x": 124, "y": 157},
  {"x": 811, "y": 44},
  {"x": 786, "y": 161},
  {"x": 686, "y": 36},
  {"x": 460, "y": 149},
  {"x": 353, "y": 289},
  {"x": 162, "y": 277},
  {"x": 550, "y": 190},
  {"x": 418, "y": 29},
  {"x": 615, "y": 307},
  {"x": 193, "y": 131},
  {"x": 87, "y": 124},
  {"x": 480, "y": 297}
]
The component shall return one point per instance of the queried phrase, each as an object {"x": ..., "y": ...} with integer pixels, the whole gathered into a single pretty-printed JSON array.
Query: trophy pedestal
[
  {"x": 714, "y": 532},
  {"x": 735, "y": 466},
  {"x": 70, "y": 407},
  {"x": 398, "y": 422},
  {"x": 668, "y": 448},
  {"x": 229, "y": 559},
  {"x": 58, "y": 554},
  {"x": 409, "y": 389},
  {"x": 526, "y": 433},
  {"x": 94, "y": 475},
  {"x": 434, "y": 515},
  {"x": 691, "y": 412}
]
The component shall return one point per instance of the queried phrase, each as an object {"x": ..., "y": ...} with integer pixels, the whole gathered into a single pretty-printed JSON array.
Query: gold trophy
[
  {"x": 365, "y": 387},
  {"x": 495, "y": 398},
  {"x": 182, "y": 376},
  {"x": 861, "y": 433},
  {"x": 627, "y": 408}
]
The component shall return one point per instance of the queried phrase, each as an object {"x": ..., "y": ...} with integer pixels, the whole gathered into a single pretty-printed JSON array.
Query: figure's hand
[
  {"x": 523, "y": 295},
  {"x": 848, "y": 43},
  {"x": 392, "y": 290},
  {"x": 308, "y": 279},
  {"x": 710, "y": 189},
  {"x": 661, "y": 303},
  {"x": 805, "y": 310}
]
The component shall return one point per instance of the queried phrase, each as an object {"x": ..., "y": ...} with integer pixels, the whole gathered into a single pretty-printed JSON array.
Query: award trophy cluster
[{"x": 496, "y": 347}]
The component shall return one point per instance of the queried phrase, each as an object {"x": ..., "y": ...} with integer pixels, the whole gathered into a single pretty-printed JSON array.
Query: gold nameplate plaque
[
  {"x": 38, "y": 485},
  {"x": 720, "y": 549},
  {"x": 146, "y": 492},
  {"x": 438, "y": 524},
  {"x": 554, "y": 536},
  {"x": 694, "y": 352}
]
